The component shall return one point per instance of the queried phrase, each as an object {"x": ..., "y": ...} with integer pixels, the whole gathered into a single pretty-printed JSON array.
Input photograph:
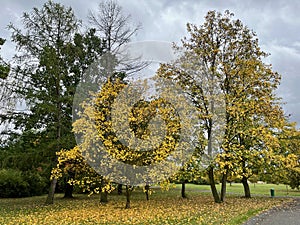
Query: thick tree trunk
[
  {"x": 213, "y": 185},
  {"x": 223, "y": 187},
  {"x": 50, "y": 197},
  {"x": 128, "y": 192},
  {"x": 68, "y": 187},
  {"x": 103, "y": 197},
  {"x": 183, "y": 194},
  {"x": 68, "y": 190},
  {"x": 246, "y": 187}
]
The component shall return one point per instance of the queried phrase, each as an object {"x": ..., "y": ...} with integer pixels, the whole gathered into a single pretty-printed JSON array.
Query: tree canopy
[{"x": 222, "y": 59}]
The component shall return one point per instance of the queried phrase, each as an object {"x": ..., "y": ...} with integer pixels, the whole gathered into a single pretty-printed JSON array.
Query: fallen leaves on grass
[{"x": 198, "y": 209}]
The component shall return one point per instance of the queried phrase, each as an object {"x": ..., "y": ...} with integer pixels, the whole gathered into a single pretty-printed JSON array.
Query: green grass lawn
[
  {"x": 164, "y": 207},
  {"x": 281, "y": 190}
]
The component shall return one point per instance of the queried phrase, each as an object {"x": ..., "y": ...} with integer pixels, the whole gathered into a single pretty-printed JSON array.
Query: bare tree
[
  {"x": 116, "y": 29},
  {"x": 112, "y": 24}
]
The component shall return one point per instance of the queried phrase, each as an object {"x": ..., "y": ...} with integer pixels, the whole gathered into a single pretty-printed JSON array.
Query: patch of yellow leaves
[{"x": 198, "y": 209}]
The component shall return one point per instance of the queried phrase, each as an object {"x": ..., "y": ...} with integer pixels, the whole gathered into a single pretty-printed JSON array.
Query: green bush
[
  {"x": 12, "y": 184},
  {"x": 200, "y": 180},
  {"x": 37, "y": 184}
]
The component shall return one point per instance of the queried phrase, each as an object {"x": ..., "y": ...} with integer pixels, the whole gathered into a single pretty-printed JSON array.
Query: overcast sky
[{"x": 276, "y": 22}]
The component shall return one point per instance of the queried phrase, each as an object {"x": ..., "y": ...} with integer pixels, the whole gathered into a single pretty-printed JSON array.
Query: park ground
[{"x": 164, "y": 207}]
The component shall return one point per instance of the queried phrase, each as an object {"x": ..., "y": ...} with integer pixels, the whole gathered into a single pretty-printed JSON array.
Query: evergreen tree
[
  {"x": 52, "y": 57},
  {"x": 4, "y": 67}
]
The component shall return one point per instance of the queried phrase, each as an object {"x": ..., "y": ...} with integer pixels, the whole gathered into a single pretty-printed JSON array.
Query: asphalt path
[{"x": 288, "y": 214}]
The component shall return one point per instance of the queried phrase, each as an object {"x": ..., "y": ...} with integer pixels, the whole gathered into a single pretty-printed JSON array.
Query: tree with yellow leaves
[
  {"x": 140, "y": 152},
  {"x": 288, "y": 171},
  {"x": 221, "y": 68},
  {"x": 254, "y": 115}
]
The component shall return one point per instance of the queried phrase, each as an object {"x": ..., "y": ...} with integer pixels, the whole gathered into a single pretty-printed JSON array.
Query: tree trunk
[
  {"x": 68, "y": 187},
  {"x": 103, "y": 197},
  {"x": 246, "y": 187},
  {"x": 223, "y": 187},
  {"x": 128, "y": 192},
  {"x": 50, "y": 197},
  {"x": 120, "y": 186},
  {"x": 211, "y": 169},
  {"x": 213, "y": 185},
  {"x": 103, "y": 194},
  {"x": 147, "y": 191},
  {"x": 68, "y": 190},
  {"x": 183, "y": 194}
]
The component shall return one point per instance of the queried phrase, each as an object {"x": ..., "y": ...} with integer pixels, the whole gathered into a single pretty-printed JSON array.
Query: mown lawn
[
  {"x": 281, "y": 190},
  {"x": 163, "y": 208}
]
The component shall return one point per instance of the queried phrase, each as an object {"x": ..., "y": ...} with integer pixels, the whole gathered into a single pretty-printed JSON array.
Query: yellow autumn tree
[
  {"x": 254, "y": 116},
  {"x": 288, "y": 171},
  {"x": 221, "y": 67},
  {"x": 128, "y": 141}
]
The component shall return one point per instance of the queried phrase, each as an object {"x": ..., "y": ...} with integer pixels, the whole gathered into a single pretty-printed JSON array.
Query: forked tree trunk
[
  {"x": 211, "y": 168},
  {"x": 246, "y": 187},
  {"x": 213, "y": 185}
]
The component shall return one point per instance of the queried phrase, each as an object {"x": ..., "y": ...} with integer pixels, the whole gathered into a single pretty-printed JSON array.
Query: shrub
[
  {"x": 200, "y": 180},
  {"x": 12, "y": 184},
  {"x": 37, "y": 183}
]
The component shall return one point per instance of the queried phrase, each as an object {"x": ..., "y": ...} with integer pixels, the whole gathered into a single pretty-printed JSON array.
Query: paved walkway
[{"x": 285, "y": 215}]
